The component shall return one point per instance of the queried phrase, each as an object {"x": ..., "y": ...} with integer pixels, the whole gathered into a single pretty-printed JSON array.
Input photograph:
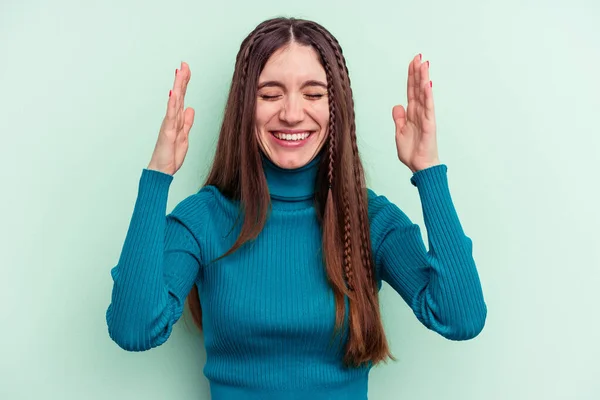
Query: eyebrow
[{"x": 281, "y": 85}]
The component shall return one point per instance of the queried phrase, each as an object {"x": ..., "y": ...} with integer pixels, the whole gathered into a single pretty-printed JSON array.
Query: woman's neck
[{"x": 291, "y": 184}]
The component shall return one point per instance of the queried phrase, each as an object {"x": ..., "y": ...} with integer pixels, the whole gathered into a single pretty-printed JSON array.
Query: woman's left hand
[{"x": 415, "y": 127}]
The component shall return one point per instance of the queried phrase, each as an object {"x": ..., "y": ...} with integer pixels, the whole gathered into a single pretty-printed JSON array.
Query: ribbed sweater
[{"x": 268, "y": 310}]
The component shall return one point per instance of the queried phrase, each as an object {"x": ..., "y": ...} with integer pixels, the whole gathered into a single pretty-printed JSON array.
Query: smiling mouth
[{"x": 292, "y": 137}]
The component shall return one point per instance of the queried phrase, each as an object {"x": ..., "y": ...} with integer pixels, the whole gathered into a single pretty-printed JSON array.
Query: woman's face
[{"x": 292, "y": 110}]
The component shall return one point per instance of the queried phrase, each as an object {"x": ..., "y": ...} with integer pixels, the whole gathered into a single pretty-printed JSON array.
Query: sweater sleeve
[
  {"x": 441, "y": 285},
  {"x": 156, "y": 270}
]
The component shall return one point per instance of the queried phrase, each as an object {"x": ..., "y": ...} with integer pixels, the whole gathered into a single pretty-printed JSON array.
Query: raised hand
[
  {"x": 172, "y": 144},
  {"x": 416, "y": 140}
]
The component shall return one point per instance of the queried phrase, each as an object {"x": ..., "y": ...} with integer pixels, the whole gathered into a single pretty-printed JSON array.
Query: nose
[{"x": 292, "y": 110}]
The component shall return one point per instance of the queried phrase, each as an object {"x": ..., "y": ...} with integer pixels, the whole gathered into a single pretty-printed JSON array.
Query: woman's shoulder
[
  {"x": 376, "y": 201},
  {"x": 384, "y": 214},
  {"x": 207, "y": 204}
]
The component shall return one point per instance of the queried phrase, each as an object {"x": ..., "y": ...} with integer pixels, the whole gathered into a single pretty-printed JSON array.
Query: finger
[
  {"x": 423, "y": 82},
  {"x": 415, "y": 105},
  {"x": 410, "y": 85},
  {"x": 425, "y": 72},
  {"x": 399, "y": 116},
  {"x": 188, "y": 120},
  {"x": 429, "y": 104},
  {"x": 177, "y": 86},
  {"x": 418, "y": 64},
  {"x": 175, "y": 78},
  {"x": 183, "y": 138},
  {"x": 187, "y": 73},
  {"x": 413, "y": 88},
  {"x": 171, "y": 107},
  {"x": 172, "y": 104}
]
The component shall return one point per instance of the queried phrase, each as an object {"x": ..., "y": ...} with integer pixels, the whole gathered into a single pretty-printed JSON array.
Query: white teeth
[{"x": 291, "y": 136}]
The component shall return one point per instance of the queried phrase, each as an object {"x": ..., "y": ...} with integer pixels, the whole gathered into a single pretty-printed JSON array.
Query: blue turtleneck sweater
[{"x": 268, "y": 311}]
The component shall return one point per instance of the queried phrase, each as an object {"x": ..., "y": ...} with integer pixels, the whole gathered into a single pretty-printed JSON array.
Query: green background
[{"x": 83, "y": 90}]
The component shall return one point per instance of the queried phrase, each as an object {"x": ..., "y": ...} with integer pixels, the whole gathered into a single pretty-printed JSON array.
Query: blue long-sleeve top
[{"x": 268, "y": 311}]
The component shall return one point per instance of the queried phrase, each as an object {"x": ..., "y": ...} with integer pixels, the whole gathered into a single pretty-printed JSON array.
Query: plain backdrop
[{"x": 83, "y": 90}]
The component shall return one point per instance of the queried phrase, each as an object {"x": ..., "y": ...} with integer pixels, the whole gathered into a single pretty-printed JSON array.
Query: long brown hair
[{"x": 341, "y": 194}]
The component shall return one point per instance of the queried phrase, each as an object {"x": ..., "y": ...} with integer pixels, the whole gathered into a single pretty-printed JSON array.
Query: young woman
[{"x": 282, "y": 252}]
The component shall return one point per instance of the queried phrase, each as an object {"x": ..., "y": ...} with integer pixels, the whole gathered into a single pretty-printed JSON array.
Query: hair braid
[
  {"x": 244, "y": 59},
  {"x": 348, "y": 243},
  {"x": 349, "y": 273},
  {"x": 258, "y": 33},
  {"x": 331, "y": 144},
  {"x": 364, "y": 248}
]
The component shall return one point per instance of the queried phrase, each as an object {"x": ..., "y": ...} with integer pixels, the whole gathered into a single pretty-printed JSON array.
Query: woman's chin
[{"x": 290, "y": 161}]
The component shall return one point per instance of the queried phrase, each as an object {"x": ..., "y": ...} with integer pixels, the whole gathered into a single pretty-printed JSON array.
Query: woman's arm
[
  {"x": 158, "y": 266},
  {"x": 440, "y": 285}
]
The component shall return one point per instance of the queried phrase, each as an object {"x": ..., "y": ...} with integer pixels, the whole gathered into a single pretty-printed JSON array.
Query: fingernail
[
  {"x": 427, "y": 63},
  {"x": 430, "y": 84},
  {"x": 170, "y": 93},
  {"x": 420, "y": 57},
  {"x": 176, "y": 71}
]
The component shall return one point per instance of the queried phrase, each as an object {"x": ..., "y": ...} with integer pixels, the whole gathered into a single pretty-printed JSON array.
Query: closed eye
[
  {"x": 310, "y": 96},
  {"x": 267, "y": 97}
]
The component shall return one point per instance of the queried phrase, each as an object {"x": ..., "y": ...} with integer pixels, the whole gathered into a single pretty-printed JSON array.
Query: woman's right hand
[{"x": 172, "y": 144}]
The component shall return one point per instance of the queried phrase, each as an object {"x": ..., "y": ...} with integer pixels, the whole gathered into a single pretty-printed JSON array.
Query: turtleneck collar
[{"x": 291, "y": 184}]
